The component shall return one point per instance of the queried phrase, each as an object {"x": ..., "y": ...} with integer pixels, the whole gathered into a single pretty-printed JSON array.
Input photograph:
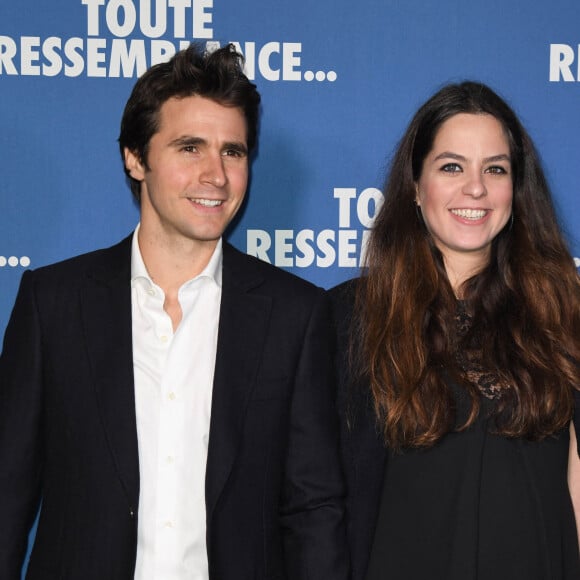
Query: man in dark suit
[{"x": 169, "y": 401}]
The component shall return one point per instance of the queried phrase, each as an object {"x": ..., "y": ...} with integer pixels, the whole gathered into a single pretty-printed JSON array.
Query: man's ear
[{"x": 134, "y": 164}]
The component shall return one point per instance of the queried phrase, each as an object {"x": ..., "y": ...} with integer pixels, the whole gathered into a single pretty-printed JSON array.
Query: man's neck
[{"x": 172, "y": 262}]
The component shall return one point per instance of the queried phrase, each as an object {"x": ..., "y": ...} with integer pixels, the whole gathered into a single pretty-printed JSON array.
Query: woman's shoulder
[{"x": 343, "y": 295}]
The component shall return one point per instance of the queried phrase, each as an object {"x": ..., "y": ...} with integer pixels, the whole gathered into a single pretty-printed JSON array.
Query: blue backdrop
[{"x": 339, "y": 83}]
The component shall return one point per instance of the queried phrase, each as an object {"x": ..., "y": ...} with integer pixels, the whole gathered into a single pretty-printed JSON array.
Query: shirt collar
[{"x": 213, "y": 269}]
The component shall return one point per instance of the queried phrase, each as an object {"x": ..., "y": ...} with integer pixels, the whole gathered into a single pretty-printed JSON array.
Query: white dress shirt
[{"x": 173, "y": 388}]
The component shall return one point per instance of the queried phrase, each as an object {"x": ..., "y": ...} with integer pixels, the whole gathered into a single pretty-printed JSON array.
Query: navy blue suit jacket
[{"x": 68, "y": 437}]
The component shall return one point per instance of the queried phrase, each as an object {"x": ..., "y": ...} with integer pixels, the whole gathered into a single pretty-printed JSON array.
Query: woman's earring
[{"x": 418, "y": 211}]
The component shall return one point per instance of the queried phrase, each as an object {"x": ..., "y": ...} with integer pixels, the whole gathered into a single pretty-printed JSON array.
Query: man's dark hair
[{"x": 216, "y": 75}]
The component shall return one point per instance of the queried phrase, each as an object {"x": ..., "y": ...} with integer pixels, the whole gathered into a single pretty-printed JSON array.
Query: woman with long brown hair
[{"x": 459, "y": 353}]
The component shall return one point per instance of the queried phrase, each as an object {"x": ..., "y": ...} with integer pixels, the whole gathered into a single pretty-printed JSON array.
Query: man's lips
[{"x": 206, "y": 202}]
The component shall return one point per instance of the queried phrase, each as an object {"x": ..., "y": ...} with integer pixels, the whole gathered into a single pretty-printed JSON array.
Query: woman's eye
[
  {"x": 496, "y": 169},
  {"x": 451, "y": 168}
]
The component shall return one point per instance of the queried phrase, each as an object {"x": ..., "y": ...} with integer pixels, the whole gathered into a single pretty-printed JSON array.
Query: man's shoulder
[
  {"x": 103, "y": 259},
  {"x": 251, "y": 270}
]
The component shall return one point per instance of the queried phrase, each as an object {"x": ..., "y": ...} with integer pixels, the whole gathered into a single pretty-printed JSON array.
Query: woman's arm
[{"x": 574, "y": 476}]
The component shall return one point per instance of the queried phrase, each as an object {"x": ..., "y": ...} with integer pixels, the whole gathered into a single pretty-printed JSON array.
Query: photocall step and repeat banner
[{"x": 340, "y": 81}]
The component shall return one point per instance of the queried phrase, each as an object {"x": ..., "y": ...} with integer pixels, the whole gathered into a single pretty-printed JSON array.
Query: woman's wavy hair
[{"x": 524, "y": 304}]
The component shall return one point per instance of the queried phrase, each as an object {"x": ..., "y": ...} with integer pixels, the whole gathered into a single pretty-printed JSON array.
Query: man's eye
[
  {"x": 451, "y": 168},
  {"x": 233, "y": 153},
  {"x": 189, "y": 148}
]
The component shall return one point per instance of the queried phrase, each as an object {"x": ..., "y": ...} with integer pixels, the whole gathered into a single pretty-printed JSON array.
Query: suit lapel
[
  {"x": 106, "y": 312},
  {"x": 242, "y": 329}
]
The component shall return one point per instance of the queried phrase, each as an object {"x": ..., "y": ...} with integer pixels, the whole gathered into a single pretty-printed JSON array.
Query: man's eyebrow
[
  {"x": 190, "y": 140},
  {"x": 187, "y": 140},
  {"x": 236, "y": 146}
]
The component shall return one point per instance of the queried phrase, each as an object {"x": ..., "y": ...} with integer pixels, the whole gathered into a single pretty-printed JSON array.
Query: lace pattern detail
[{"x": 488, "y": 382}]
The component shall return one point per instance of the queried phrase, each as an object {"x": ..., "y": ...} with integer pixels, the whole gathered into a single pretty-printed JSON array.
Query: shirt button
[
  {"x": 168, "y": 524},
  {"x": 151, "y": 292},
  {"x": 170, "y": 459},
  {"x": 163, "y": 338},
  {"x": 171, "y": 396}
]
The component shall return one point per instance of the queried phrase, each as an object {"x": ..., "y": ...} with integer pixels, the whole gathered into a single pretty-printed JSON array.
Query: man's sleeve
[
  {"x": 312, "y": 513},
  {"x": 20, "y": 424}
]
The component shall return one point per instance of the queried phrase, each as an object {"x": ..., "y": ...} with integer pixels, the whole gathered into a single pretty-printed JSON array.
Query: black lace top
[
  {"x": 477, "y": 505},
  {"x": 488, "y": 382}
]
